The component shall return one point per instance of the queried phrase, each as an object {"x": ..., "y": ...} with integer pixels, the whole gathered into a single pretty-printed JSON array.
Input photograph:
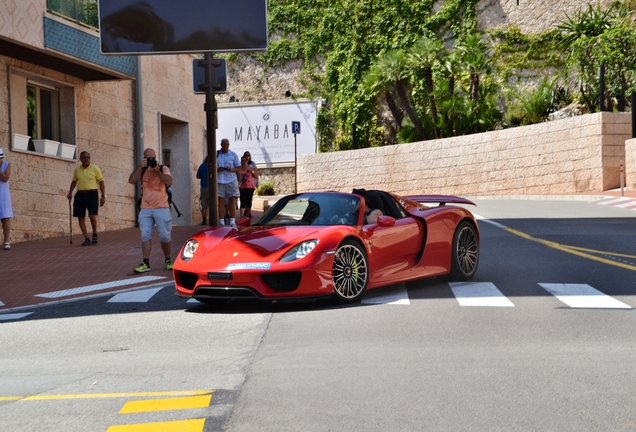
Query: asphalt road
[{"x": 411, "y": 357}]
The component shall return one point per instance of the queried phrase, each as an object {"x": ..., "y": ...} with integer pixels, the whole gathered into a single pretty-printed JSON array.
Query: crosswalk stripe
[
  {"x": 97, "y": 287},
  {"x": 14, "y": 316},
  {"x": 141, "y": 296},
  {"x": 479, "y": 294},
  {"x": 397, "y": 296},
  {"x": 583, "y": 296}
]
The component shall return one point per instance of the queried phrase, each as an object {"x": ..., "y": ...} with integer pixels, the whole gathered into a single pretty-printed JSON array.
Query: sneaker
[
  {"x": 87, "y": 242},
  {"x": 168, "y": 265},
  {"x": 143, "y": 267},
  {"x": 7, "y": 245},
  {"x": 94, "y": 239}
]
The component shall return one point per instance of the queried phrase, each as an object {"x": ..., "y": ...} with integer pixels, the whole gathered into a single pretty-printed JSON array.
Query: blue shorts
[{"x": 161, "y": 217}]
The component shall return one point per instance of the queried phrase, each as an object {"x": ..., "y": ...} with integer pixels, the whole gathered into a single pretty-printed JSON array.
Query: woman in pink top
[{"x": 247, "y": 175}]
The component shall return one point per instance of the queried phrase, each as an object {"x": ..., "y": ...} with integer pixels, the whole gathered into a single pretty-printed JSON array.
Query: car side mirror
[
  {"x": 386, "y": 221},
  {"x": 244, "y": 222}
]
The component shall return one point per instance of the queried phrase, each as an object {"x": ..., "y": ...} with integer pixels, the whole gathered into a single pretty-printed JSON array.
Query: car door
[{"x": 393, "y": 250}]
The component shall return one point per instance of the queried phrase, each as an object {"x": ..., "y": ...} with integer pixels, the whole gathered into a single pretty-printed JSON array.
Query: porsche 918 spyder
[{"x": 319, "y": 244}]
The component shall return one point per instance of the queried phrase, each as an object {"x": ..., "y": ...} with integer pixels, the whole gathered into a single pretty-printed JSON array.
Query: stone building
[{"x": 56, "y": 85}]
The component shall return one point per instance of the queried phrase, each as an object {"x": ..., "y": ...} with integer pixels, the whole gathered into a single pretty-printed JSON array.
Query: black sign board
[
  {"x": 220, "y": 76},
  {"x": 184, "y": 26}
]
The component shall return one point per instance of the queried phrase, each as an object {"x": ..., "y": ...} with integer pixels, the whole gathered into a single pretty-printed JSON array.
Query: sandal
[
  {"x": 94, "y": 239},
  {"x": 87, "y": 242},
  {"x": 7, "y": 245}
]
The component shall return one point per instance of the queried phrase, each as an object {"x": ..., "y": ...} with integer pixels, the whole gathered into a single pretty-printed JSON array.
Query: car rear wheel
[
  {"x": 465, "y": 252},
  {"x": 350, "y": 272}
]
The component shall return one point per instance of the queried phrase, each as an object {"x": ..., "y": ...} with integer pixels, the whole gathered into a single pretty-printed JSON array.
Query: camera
[{"x": 152, "y": 162}]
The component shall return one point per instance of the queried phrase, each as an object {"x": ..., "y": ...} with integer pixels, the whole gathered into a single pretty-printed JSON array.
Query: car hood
[{"x": 223, "y": 245}]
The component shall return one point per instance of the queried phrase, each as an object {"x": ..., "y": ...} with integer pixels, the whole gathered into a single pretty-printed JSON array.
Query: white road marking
[
  {"x": 14, "y": 316},
  {"x": 396, "y": 296},
  {"x": 479, "y": 294},
  {"x": 97, "y": 287},
  {"x": 613, "y": 201},
  {"x": 583, "y": 296},
  {"x": 140, "y": 296},
  {"x": 483, "y": 219}
]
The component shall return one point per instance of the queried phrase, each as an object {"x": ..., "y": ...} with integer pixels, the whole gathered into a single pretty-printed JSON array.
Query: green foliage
[
  {"x": 533, "y": 105},
  {"x": 400, "y": 71},
  {"x": 265, "y": 189},
  {"x": 337, "y": 42},
  {"x": 592, "y": 37}
]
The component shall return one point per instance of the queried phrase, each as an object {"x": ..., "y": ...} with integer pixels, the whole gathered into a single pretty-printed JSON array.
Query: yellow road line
[
  {"x": 194, "y": 425},
  {"x": 166, "y": 404},
  {"x": 107, "y": 395},
  {"x": 577, "y": 251}
]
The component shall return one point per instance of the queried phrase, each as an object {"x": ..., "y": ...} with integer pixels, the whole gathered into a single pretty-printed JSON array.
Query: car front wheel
[{"x": 350, "y": 272}]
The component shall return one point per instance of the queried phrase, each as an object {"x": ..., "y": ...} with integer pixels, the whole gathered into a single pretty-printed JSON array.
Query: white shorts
[
  {"x": 229, "y": 190},
  {"x": 161, "y": 217}
]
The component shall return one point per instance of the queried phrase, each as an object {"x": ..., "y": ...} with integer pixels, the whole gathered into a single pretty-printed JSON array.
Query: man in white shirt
[{"x": 227, "y": 165}]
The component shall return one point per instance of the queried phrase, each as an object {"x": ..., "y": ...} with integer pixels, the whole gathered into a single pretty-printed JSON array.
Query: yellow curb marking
[
  {"x": 166, "y": 404},
  {"x": 195, "y": 425},
  {"x": 582, "y": 252},
  {"x": 106, "y": 395}
]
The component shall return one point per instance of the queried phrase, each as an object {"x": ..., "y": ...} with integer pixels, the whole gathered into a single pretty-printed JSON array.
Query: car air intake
[
  {"x": 186, "y": 279},
  {"x": 282, "y": 282}
]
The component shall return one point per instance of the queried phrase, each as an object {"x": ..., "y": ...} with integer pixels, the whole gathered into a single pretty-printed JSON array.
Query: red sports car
[{"x": 318, "y": 244}]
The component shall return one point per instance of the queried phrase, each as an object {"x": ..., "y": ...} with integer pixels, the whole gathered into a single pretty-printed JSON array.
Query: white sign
[{"x": 264, "y": 129}]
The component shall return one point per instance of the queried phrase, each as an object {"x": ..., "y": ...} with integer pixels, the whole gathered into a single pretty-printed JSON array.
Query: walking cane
[{"x": 70, "y": 219}]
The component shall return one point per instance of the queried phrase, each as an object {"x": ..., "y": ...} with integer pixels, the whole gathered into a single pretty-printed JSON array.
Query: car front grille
[
  {"x": 282, "y": 282},
  {"x": 186, "y": 279},
  {"x": 225, "y": 293}
]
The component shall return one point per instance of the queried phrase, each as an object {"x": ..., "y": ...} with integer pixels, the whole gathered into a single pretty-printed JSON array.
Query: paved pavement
[{"x": 50, "y": 271}]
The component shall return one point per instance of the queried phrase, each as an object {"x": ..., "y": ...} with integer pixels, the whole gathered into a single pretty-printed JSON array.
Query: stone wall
[
  {"x": 529, "y": 15},
  {"x": 580, "y": 154}
]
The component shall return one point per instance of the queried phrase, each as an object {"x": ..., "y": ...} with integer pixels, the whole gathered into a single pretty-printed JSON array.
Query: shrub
[{"x": 265, "y": 189}]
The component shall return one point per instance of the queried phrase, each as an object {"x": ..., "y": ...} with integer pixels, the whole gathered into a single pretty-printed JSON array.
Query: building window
[
  {"x": 81, "y": 11},
  {"x": 43, "y": 112}
]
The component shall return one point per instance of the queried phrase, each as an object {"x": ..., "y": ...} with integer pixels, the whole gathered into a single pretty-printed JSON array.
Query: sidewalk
[{"x": 51, "y": 271}]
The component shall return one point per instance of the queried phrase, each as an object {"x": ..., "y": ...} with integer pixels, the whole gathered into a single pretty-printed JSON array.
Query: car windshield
[{"x": 313, "y": 209}]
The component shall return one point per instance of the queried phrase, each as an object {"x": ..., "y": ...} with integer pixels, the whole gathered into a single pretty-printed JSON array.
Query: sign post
[
  {"x": 295, "y": 130},
  {"x": 210, "y": 113}
]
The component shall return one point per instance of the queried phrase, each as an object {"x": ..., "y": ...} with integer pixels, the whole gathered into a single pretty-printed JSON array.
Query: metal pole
[
  {"x": 210, "y": 114},
  {"x": 622, "y": 193},
  {"x": 633, "y": 114},
  {"x": 602, "y": 88},
  {"x": 295, "y": 165}
]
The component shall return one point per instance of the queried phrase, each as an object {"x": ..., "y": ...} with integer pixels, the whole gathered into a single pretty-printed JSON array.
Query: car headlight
[
  {"x": 299, "y": 251},
  {"x": 189, "y": 249}
]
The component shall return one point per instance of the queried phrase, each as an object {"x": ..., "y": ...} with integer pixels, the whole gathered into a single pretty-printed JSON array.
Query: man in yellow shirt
[{"x": 87, "y": 177}]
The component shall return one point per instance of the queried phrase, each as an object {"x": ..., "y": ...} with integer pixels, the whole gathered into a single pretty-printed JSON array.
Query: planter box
[
  {"x": 66, "y": 151},
  {"x": 20, "y": 142},
  {"x": 46, "y": 146}
]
